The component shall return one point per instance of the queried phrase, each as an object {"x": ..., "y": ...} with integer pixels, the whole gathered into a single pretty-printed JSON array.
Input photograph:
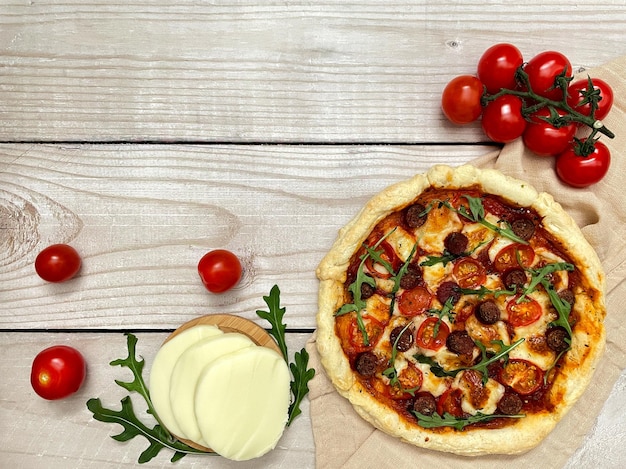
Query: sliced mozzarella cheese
[
  {"x": 402, "y": 242},
  {"x": 242, "y": 401},
  {"x": 187, "y": 371},
  {"x": 161, "y": 371}
]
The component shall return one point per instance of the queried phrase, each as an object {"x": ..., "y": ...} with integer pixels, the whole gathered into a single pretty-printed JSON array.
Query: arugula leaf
[
  {"x": 483, "y": 291},
  {"x": 158, "y": 436},
  {"x": 562, "y": 307},
  {"x": 446, "y": 310},
  {"x": 434, "y": 260},
  {"x": 299, "y": 385},
  {"x": 447, "y": 420},
  {"x": 435, "y": 368},
  {"x": 539, "y": 275},
  {"x": 301, "y": 374},
  {"x": 391, "y": 371},
  {"x": 477, "y": 215},
  {"x": 275, "y": 318}
]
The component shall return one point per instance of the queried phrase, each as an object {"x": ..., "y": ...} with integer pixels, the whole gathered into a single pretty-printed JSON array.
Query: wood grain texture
[
  {"x": 298, "y": 71},
  {"x": 142, "y": 216}
]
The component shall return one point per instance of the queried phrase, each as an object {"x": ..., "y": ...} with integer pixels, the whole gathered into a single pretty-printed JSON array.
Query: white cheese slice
[
  {"x": 242, "y": 401},
  {"x": 187, "y": 371},
  {"x": 161, "y": 371}
]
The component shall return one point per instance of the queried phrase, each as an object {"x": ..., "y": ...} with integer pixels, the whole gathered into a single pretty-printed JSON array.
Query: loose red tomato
[
  {"x": 543, "y": 139},
  {"x": 450, "y": 403},
  {"x": 373, "y": 329},
  {"x": 460, "y": 100},
  {"x": 522, "y": 376},
  {"x": 514, "y": 255},
  {"x": 582, "y": 171},
  {"x": 58, "y": 372},
  {"x": 579, "y": 88},
  {"x": 57, "y": 263},
  {"x": 426, "y": 337},
  {"x": 502, "y": 119},
  {"x": 497, "y": 67},
  {"x": 219, "y": 270},
  {"x": 469, "y": 273},
  {"x": 414, "y": 301},
  {"x": 524, "y": 312},
  {"x": 543, "y": 69}
]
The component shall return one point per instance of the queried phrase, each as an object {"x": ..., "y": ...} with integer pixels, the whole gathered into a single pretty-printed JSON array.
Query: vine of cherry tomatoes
[{"x": 540, "y": 102}]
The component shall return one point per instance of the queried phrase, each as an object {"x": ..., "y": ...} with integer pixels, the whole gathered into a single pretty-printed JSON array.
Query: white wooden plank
[
  {"x": 143, "y": 216},
  {"x": 297, "y": 71},
  {"x": 35, "y": 433}
]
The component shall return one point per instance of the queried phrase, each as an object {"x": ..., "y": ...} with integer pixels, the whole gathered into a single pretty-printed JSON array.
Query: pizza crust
[{"x": 587, "y": 344}]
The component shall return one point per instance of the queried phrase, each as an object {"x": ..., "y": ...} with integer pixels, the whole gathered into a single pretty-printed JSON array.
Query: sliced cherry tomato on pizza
[
  {"x": 514, "y": 255},
  {"x": 388, "y": 255},
  {"x": 469, "y": 273},
  {"x": 522, "y": 376},
  {"x": 432, "y": 334},
  {"x": 523, "y": 312},
  {"x": 414, "y": 301},
  {"x": 450, "y": 403},
  {"x": 373, "y": 331},
  {"x": 410, "y": 379}
]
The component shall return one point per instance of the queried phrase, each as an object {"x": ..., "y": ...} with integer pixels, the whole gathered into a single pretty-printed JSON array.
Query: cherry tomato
[
  {"x": 497, "y": 67},
  {"x": 57, "y": 263},
  {"x": 542, "y": 71},
  {"x": 460, "y": 100},
  {"x": 450, "y": 402},
  {"x": 58, "y": 372},
  {"x": 514, "y": 255},
  {"x": 388, "y": 255},
  {"x": 543, "y": 139},
  {"x": 524, "y": 312},
  {"x": 426, "y": 337},
  {"x": 582, "y": 171},
  {"x": 414, "y": 301},
  {"x": 522, "y": 376},
  {"x": 469, "y": 273},
  {"x": 576, "y": 97},
  {"x": 502, "y": 119},
  {"x": 373, "y": 328},
  {"x": 219, "y": 270},
  {"x": 410, "y": 379}
]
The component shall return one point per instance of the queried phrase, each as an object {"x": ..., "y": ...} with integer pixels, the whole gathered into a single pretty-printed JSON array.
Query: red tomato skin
[
  {"x": 579, "y": 171},
  {"x": 524, "y": 386},
  {"x": 497, "y": 67},
  {"x": 524, "y": 313},
  {"x": 57, "y": 263},
  {"x": 502, "y": 119},
  {"x": 542, "y": 70},
  {"x": 415, "y": 301},
  {"x": 424, "y": 337},
  {"x": 220, "y": 270},
  {"x": 460, "y": 100},
  {"x": 543, "y": 139},
  {"x": 58, "y": 372},
  {"x": 575, "y": 97}
]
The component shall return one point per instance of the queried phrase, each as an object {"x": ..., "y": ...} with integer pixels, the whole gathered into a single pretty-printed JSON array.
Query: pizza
[{"x": 461, "y": 311}]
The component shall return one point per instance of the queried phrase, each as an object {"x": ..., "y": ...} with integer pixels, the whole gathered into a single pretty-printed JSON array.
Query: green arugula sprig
[
  {"x": 476, "y": 214},
  {"x": 445, "y": 311},
  {"x": 300, "y": 372},
  {"x": 482, "y": 366},
  {"x": 157, "y": 436},
  {"x": 538, "y": 276},
  {"x": 447, "y": 420},
  {"x": 391, "y": 371},
  {"x": 484, "y": 291}
]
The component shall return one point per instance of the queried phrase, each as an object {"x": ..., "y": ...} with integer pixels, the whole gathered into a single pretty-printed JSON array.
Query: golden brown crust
[{"x": 587, "y": 344}]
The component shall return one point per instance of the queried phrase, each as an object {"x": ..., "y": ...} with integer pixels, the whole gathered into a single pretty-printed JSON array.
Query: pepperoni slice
[
  {"x": 415, "y": 301},
  {"x": 524, "y": 312},
  {"x": 469, "y": 273},
  {"x": 514, "y": 255},
  {"x": 522, "y": 376},
  {"x": 426, "y": 337}
]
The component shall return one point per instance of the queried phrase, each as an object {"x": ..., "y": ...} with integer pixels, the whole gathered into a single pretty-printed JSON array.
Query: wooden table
[{"x": 147, "y": 133}]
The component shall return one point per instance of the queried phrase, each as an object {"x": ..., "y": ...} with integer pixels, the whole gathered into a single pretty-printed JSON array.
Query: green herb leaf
[
  {"x": 539, "y": 275},
  {"x": 156, "y": 436},
  {"x": 562, "y": 307},
  {"x": 275, "y": 317},
  {"x": 300, "y": 383},
  {"x": 447, "y": 420},
  {"x": 434, "y": 260},
  {"x": 484, "y": 291},
  {"x": 301, "y": 374}
]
